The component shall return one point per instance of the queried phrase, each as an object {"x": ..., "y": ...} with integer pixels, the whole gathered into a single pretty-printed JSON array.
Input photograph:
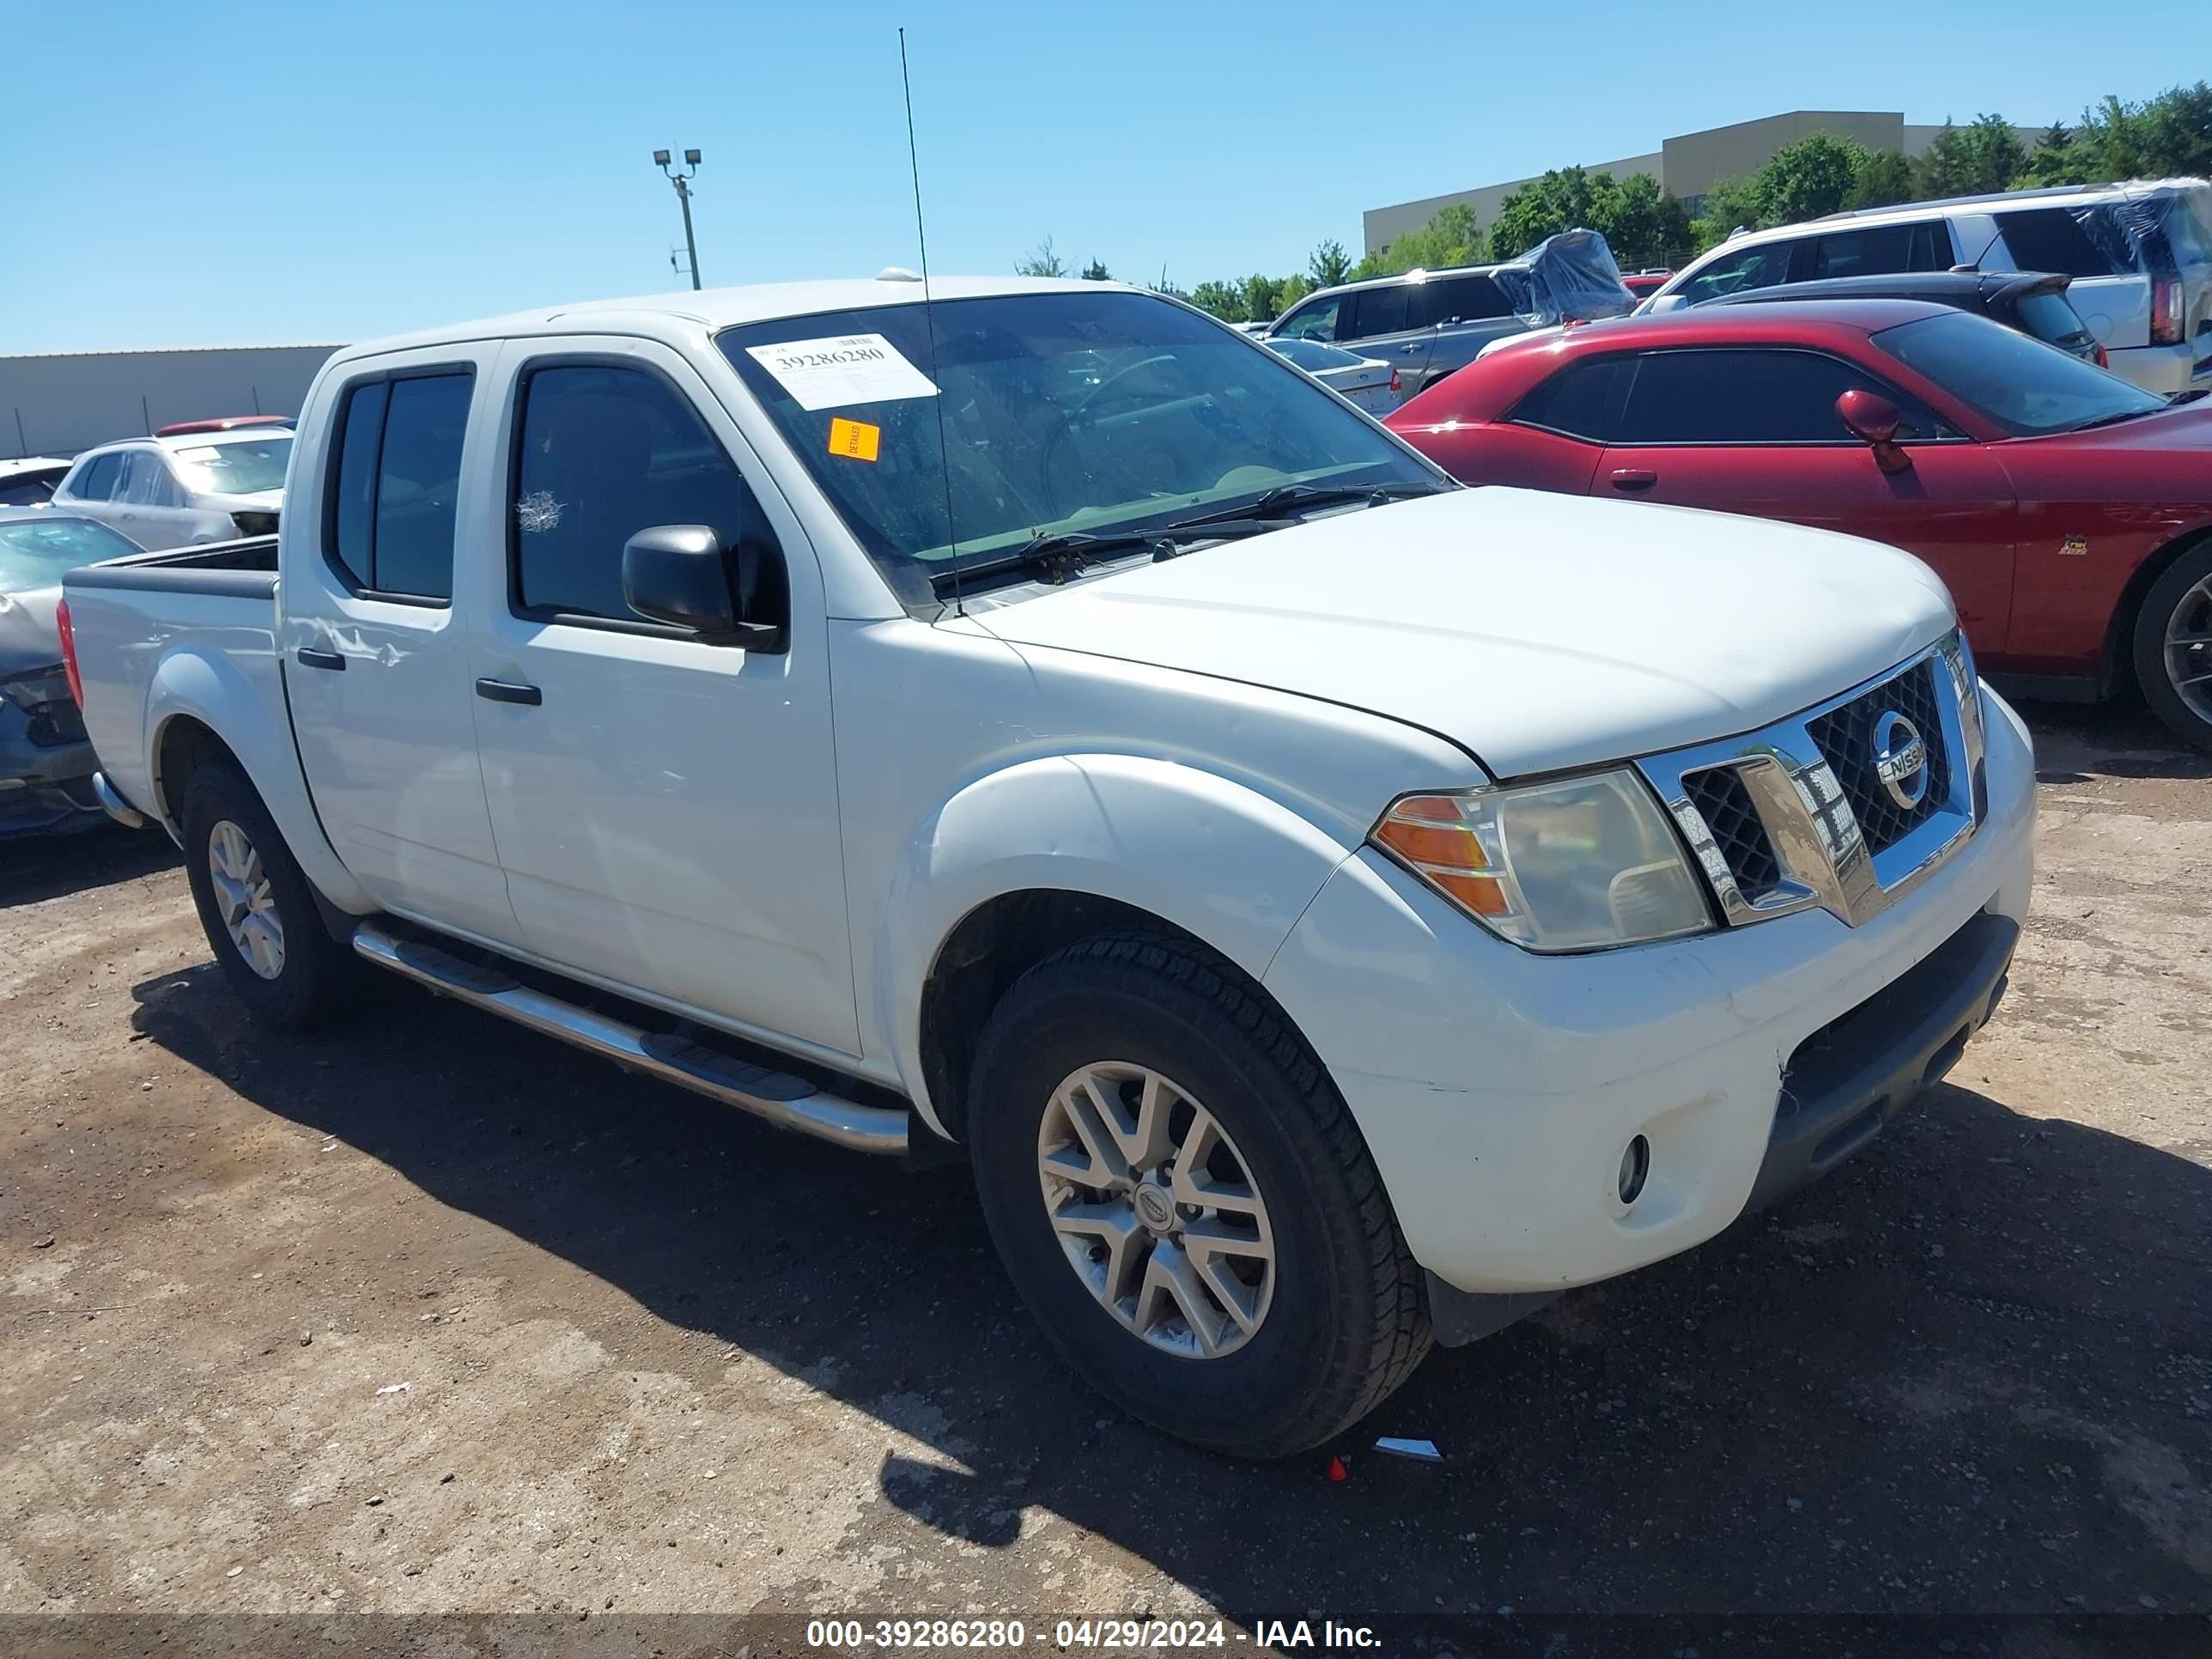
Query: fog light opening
[{"x": 1635, "y": 1165}]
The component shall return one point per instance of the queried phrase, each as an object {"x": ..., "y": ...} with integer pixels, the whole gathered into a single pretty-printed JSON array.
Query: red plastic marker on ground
[{"x": 1337, "y": 1471}]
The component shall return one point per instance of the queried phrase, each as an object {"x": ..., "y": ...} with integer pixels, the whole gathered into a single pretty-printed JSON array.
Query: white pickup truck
[{"x": 1335, "y": 909}]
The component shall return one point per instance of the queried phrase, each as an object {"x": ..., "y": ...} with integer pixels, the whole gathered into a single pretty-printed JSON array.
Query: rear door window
[
  {"x": 1470, "y": 299},
  {"x": 1378, "y": 310},
  {"x": 1873, "y": 251},
  {"x": 1582, "y": 400},
  {"x": 1691, "y": 396},
  {"x": 395, "y": 488},
  {"x": 2051, "y": 239},
  {"x": 97, "y": 479}
]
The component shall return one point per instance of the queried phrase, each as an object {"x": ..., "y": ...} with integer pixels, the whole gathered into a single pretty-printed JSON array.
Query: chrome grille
[
  {"x": 1846, "y": 738},
  {"x": 1739, "y": 834},
  {"x": 1797, "y": 815}
]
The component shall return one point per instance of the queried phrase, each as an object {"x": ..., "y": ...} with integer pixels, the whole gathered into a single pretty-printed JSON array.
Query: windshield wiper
[
  {"x": 1062, "y": 554},
  {"x": 1285, "y": 498}
]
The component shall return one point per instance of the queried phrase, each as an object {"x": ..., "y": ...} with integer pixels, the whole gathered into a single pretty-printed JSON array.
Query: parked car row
[
  {"x": 2139, "y": 255},
  {"x": 2069, "y": 512}
]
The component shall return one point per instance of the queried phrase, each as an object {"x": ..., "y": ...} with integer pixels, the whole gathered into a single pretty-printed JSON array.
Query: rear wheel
[
  {"x": 2173, "y": 647},
  {"x": 255, "y": 905},
  {"x": 1184, "y": 1202}
]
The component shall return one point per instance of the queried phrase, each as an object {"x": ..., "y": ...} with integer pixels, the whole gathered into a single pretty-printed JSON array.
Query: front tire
[
  {"x": 1184, "y": 1203},
  {"x": 2173, "y": 647},
  {"x": 256, "y": 905}
]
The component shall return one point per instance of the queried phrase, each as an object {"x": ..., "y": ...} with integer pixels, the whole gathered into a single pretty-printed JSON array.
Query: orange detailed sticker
[{"x": 854, "y": 440}]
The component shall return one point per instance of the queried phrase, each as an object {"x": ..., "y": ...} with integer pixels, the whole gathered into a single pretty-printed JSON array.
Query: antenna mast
[{"x": 929, "y": 323}]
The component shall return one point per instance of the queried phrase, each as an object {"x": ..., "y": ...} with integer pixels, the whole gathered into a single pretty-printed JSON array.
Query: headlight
[
  {"x": 1574, "y": 865},
  {"x": 41, "y": 685}
]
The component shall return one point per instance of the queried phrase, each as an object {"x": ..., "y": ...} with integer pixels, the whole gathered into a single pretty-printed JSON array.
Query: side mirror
[
  {"x": 679, "y": 574},
  {"x": 1662, "y": 302},
  {"x": 1872, "y": 419}
]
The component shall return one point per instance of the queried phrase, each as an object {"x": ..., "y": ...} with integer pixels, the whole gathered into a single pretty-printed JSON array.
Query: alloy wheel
[
  {"x": 2189, "y": 649},
  {"x": 1156, "y": 1209},
  {"x": 243, "y": 897}
]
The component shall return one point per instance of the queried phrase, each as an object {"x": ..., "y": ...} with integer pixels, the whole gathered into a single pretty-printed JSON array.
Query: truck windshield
[
  {"x": 243, "y": 466},
  {"x": 1062, "y": 412},
  {"x": 38, "y": 552}
]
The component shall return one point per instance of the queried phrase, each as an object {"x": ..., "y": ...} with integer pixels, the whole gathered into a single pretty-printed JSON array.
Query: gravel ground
[{"x": 434, "y": 1316}]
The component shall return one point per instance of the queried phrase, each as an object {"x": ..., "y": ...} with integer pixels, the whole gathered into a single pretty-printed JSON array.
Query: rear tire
[
  {"x": 2178, "y": 610},
  {"x": 256, "y": 907},
  {"x": 1332, "y": 1320}
]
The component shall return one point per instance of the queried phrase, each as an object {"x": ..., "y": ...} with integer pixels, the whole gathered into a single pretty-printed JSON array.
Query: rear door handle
[
  {"x": 311, "y": 658},
  {"x": 508, "y": 691},
  {"x": 1633, "y": 478}
]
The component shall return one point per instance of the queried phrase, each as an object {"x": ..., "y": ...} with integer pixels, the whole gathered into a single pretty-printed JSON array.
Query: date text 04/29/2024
[{"x": 1101, "y": 1634}]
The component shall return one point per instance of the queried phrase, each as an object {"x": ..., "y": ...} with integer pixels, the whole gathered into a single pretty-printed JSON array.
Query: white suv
[
  {"x": 177, "y": 492},
  {"x": 2139, "y": 256}
]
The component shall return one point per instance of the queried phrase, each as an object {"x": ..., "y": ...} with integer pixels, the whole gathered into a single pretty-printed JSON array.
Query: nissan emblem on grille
[{"x": 1900, "y": 759}]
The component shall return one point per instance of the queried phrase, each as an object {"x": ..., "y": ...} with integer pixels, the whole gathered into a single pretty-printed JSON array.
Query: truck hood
[{"x": 1537, "y": 631}]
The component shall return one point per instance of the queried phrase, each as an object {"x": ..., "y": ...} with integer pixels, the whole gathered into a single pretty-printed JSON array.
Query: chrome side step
[{"x": 790, "y": 1102}]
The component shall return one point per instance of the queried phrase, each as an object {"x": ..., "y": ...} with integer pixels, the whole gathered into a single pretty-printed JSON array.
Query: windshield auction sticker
[{"x": 836, "y": 374}]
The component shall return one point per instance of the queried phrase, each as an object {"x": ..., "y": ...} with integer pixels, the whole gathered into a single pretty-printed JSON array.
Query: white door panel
[
  {"x": 387, "y": 740},
  {"x": 667, "y": 813}
]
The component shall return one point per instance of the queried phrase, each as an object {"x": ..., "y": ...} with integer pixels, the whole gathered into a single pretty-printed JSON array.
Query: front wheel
[
  {"x": 2173, "y": 647},
  {"x": 255, "y": 905},
  {"x": 1185, "y": 1204}
]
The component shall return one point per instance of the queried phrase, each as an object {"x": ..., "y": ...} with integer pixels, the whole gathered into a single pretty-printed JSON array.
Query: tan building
[{"x": 1690, "y": 165}]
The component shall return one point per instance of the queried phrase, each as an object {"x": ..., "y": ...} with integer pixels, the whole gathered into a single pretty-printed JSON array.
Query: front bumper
[{"x": 1497, "y": 1090}]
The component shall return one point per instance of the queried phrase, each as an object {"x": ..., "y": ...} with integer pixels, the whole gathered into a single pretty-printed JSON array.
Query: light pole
[{"x": 682, "y": 181}]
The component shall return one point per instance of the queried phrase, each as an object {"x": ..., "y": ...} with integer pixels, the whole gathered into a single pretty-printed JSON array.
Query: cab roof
[{"x": 690, "y": 312}]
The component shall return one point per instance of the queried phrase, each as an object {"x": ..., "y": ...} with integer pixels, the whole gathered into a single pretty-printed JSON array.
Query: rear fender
[
  {"x": 1218, "y": 860},
  {"x": 254, "y": 721}
]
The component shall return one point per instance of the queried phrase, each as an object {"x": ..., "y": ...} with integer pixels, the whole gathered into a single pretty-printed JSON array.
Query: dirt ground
[{"x": 432, "y": 1314}]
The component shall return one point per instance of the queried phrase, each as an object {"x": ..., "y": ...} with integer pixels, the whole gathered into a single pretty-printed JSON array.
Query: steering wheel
[{"x": 1103, "y": 393}]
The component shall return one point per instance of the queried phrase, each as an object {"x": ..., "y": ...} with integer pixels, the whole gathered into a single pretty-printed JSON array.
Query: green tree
[
  {"x": 1882, "y": 178},
  {"x": 1643, "y": 223},
  {"x": 1450, "y": 238},
  {"x": 1946, "y": 167},
  {"x": 1994, "y": 154},
  {"x": 1563, "y": 200},
  {"x": 1041, "y": 261},
  {"x": 1095, "y": 272},
  {"x": 1807, "y": 180},
  {"x": 1260, "y": 303},
  {"x": 1732, "y": 204},
  {"x": 1290, "y": 289},
  {"x": 1225, "y": 300},
  {"x": 1328, "y": 265}
]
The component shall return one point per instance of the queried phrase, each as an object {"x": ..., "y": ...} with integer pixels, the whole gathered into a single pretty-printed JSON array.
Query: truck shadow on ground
[
  {"x": 1969, "y": 1371},
  {"x": 34, "y": 868}
]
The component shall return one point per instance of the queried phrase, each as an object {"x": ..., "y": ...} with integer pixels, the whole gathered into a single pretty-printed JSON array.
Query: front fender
[
  {"x": 1218, "y": 859},
  {"x": 249, "y": 712}
]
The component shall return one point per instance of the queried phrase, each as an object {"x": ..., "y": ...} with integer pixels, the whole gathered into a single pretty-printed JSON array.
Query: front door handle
[
  {"x": 311, "y": 658},
  {"x": 508, "y": 691},
  {"x": 1633, "y": 478}
]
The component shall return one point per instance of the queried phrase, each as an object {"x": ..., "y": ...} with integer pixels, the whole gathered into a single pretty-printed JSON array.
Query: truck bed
[{"x": 192, "y": 631}]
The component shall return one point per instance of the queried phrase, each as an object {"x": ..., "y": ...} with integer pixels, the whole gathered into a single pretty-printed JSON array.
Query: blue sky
[{"x": 228, "y": 173}]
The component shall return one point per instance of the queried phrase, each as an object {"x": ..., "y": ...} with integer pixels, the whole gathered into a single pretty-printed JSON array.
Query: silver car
[
  {"x": 45, "y": 761},
  {"x": 180, "y": 491},
  {"x": 1370, "y": 382}
]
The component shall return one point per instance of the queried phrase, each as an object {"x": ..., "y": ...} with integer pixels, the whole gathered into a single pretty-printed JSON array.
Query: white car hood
[{"x": 1538, "y": 631}]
